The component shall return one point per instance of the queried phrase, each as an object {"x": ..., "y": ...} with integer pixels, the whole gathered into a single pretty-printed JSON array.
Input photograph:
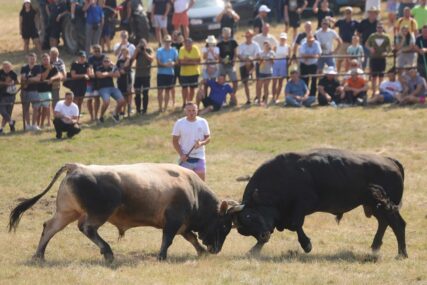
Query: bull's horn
[
  {"x": 243, "y": 178},
  {"x": 235, "y": 209}
]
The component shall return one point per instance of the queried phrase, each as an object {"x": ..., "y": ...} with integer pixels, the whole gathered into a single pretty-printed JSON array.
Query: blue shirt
[
  {"x": 298, "y": 88},
  {"x": 219, "y": 91},
  {"x": 313, "y": 49},
  {"x": 94, "y": 15},
  {"x": 164, "y": 56}
]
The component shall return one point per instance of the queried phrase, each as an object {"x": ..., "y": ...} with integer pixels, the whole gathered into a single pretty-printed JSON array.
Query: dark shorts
[
  {"x": 141, "y": 82},
  {"x": 55, "y": 31},
  {"x": 209, "y": 102},
  {"x": 264, "y": 75},
  {"x": 189, "y": 81},
  {"x": 377, "y": 66},
  {"x": 294, "y": 20},
  {"x": 165, "y": 81}
]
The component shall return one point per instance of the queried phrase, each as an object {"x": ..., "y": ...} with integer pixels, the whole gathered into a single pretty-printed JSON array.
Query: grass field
[{"x": 242, "y": 138}]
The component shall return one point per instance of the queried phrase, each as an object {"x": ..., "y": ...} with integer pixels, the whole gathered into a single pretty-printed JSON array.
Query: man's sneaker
[
  {"x": 101, "y": 119},
  {"x": 36, "y": 128},
  {"x": 116, "y": 118},
  {"x": 248, "y": 102},
  {"x": 12, "y": 126}
]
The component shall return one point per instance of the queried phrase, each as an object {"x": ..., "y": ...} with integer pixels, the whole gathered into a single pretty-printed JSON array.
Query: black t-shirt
[
  {"x": 5, "y": 78},
  {"x": 293, "y": 5},
  {"x": 55, "y": 10},
  {"x": 96, "y": 61},
  {"x": 43, "y": 86},
  {"x": 346, "y": 29},
  {"x": 28, "y": 72},
  {"x": 28, "y": 18},
  {"x": 160, "y": 7},
  {"x": 330, "y": 86},
  {"x": 107, "y": 12},
  {"x": 79, "y": 68},
  {"x": 421, "y": 43},
  {"x": 300, "y": 37},
  {"x": 227, "y": 21},
  {"x": 322, "y": 15},
  {"x": 367, "y": 28},
  {"x": 258, "y": 23},
  {"x": 227, "y": 48},
  {"x": 107, "y": 81}
]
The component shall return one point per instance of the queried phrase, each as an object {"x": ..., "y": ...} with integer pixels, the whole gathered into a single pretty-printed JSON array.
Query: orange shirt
[{"x": 356, "y": 83}]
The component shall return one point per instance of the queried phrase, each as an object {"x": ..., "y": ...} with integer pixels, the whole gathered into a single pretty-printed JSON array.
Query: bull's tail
[
  {"x": 402, "y": 170},
  {"x": 16, "y": 214},
  {"x": 381, "y": 198}
]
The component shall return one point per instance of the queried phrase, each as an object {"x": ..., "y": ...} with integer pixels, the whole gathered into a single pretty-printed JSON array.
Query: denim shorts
[
  {"x": 31, "y": 97},
  {"x": 197, "y": 166},
  {"x": 45, "y": 98},
  {"x": 106, "y": 92}
]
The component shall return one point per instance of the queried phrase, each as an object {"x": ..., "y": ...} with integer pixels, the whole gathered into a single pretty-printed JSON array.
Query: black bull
[{"x": 289, "y": 187}]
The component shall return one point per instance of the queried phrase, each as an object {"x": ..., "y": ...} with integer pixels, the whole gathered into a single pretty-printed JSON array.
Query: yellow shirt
[
  {"x": 190, "y": 70},
  {"x": 410, "y": 23}
]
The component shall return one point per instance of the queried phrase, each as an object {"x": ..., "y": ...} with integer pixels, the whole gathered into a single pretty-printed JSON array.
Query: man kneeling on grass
[
  {"x": 218, "y": 92},
  {"x": 66, "y": 116}
]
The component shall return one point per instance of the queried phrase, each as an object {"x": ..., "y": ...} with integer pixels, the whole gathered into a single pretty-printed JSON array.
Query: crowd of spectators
[{"x": 341, "y": 63}]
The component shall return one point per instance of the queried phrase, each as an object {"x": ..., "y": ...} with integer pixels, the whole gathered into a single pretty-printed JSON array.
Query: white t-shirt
[
  {"x": 282, "y": 51},
  {"x": 326, "y": 40},
  {"x": 189, "y": 132},
  {"x": 129, "y": 46},
  {"x": 391, "y": 87},
  {"x": 69, "y": 111},
  {"x": 260, "y": 39},
  {"x": 248, "y": 50},
  {"x": 180, "y": 5},
  {"x": 211, "y": 57}
]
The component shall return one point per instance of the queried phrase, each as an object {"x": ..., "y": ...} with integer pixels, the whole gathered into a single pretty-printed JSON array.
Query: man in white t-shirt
[
  {"x": 124, "y": 42},
  {"x": 66, "y": 117},
  {"x": 326, "y": 37},
  {"x": 189, "y": 137},
  {"x": 390, "y": 90}
]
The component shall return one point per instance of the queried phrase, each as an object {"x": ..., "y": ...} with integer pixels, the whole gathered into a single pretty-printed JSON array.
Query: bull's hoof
[
  {"x": 402, "y": 255},
  {"x": 307, "y": 247},
  {"x": 161, "y": 257},
  {"x": 38, "y": 258},
  {"x": 109, "y": 257}
]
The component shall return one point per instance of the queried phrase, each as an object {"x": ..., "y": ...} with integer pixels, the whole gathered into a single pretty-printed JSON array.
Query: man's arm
[{"x": 177, "y": 147}]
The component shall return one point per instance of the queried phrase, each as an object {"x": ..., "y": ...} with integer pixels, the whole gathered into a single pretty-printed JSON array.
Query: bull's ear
[
  {"x": 255, "y": 194},
  {"x": 223, "y": 208},
  {"x": 235, "y": 209}
]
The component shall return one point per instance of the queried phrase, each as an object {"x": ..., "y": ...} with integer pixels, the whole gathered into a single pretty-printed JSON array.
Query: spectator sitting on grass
[
  {"x": 330, "y": 90},
  {"x": 356, "y": 88},
  {"x": 416, "y": 88},
  {"x": 390, "y": 90},
  {"x": 217, "y": 95},
  {"x": 66, "y": 117},
  {"x": 297, "y": 93}
]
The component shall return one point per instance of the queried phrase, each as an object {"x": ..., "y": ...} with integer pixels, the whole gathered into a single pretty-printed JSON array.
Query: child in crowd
[
  {"x": 355, "y": 51},
  {"x": 280, "y": 66},
  {"x": 266, "y": 60}
]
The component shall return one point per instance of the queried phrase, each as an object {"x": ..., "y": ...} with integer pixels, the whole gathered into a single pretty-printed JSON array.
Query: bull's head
[{"x": 216, "y": 232}]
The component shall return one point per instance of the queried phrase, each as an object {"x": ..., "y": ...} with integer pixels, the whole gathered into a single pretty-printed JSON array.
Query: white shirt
[
  {"x": 260, "y": 39},
  {"x": 282, "y": 51},
  {"x": 391, "y": 87},
  {"x": 180, "y": 5},
  {"x": 248, "y": 50},
  {"x": 326, "y": 40},
  {"x": 211, "y": 56},
  {"x": 188, "y": 133},
  {"x": 131, "y": 48},
  {"x": 69, "y": 111}
]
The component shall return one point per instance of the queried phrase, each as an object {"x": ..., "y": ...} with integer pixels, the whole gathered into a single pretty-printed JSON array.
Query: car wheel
[{"x": 73, "y": 35}]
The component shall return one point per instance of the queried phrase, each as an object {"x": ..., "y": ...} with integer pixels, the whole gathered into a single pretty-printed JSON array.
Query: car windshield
[{"x": 205, "y": 3}]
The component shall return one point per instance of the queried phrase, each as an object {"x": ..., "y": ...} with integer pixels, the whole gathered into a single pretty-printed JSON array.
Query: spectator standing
[
  {"x": 390, "y": 90},
  {"x": 416, "y": 88},
  {"x": 419, "y": 13},
  {"x": 124, "y": 82},
  {"x": 8, "y": 81},
  {"x": 143, "y": 58},
  {"x": 137, "y": 19},
  {"x": 330, "y": 90},
  {"x": 180, "y": 17},
  {"x": 322, "y": 10},
  {"x": 95, "y": 62},
  {"x": 189, "y": 59},
  {"x": 109, "y": 9},
  {"x": 56, "y": 61},
  {"x": 355, "y": 50},
  {"x": 405, "y": 47},
  {"x": 166, "y": 60},
  {"x": 326, "y": 37},
  {"x": 105, "y": 75},
  {"x": 49, "y": 74},
  {"x": 189, "y": 137},
  {"x": 372, "y": 3},
  {"x": 310, "y": 52},
  {"x": 217, "y": 95},
  {"x": 407, "y": 20},
  {"x": 259, "y": 20},
  {"x": 27, "y": 26},
  {"x": 347, "y": 27},
  {"x": 76, "y": 10},
  {"x": 297, "y": 93},
  {"x": 301, "y": 38},
  {"x": 266, "y": 61},
  {"x": 403, "y": 4},
  {"x": 228, "y": 18},
  {"x": 30, "y": 78},
  {"x": 392, "y": 6},
  {"x": 210, "y": 54},
  {"x": 124, "y": 43},
  {"x": 66, "y": 117},
  {"x": 56, "y": 10},
  {"x": 159, "y": 17},
  {"x": 80, "y": 75},
  {"x": 421, "y": 48},
  {"x": 227, "y": 55},
  {"x": 292, "y": 11},
  {"x": 94, "y": 23},
  {"x": 280, "y": 66},
  {"x": 177, "y": 42},
  {"x": 247, "y": 52},
  {"x": 378, "y": 44},
  {"x": 367, "y": 27}
]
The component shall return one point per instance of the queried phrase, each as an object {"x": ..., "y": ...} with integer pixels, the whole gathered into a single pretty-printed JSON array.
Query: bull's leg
[
  {"x": 191, "y": 237},
  {"x": 398, "y": 225},
  {"x": 89, "y": 227},
  {"x": 169, "y": 231},
  {"x": 59, "y": 221},
  {"x": 303, "y": 240},
  {"x": 256, "y": 249},
  {"x": 378, "y": 239}
]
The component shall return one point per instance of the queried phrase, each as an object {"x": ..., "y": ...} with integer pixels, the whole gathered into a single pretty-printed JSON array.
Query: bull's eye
[{"x": 248, "y": 216}]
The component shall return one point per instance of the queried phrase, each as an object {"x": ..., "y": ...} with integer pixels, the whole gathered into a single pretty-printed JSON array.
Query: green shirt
[
  {"x": 380, "y": 42},
  {"x": 420, "y": 15}
]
